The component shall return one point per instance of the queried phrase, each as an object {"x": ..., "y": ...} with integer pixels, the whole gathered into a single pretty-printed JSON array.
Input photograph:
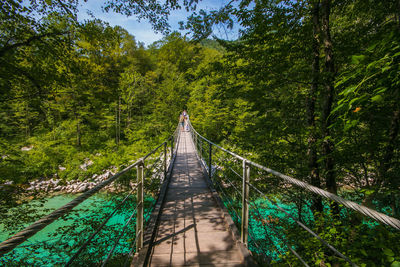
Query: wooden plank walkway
[{"x": 192, "y": 230}]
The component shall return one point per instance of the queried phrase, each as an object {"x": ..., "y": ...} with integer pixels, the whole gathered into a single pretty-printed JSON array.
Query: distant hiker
[
  {"x": 187, "y": 122},
  {"x": 182, "y": 120}
]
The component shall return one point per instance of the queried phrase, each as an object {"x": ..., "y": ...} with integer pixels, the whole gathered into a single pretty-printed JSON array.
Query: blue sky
[{"x": 142, "y": 30}]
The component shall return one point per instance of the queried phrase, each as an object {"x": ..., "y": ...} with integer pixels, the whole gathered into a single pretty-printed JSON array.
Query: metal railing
[
  {"x": 150, "y": 173},
  {"x": 214, "y": 160}
]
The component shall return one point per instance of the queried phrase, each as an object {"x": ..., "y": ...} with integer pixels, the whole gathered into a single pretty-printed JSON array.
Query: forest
[{"x": 311, "y": 88}]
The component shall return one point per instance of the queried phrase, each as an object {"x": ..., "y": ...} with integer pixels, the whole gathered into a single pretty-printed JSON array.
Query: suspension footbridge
[
  {"x": 211, "y": 207},
  {"x": 192, "y": 229}
]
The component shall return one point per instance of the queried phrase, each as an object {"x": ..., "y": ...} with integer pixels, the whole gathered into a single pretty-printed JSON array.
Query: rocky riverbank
[{"x": 58, "y": 186}]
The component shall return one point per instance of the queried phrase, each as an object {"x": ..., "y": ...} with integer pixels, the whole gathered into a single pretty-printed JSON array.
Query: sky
[{"x": 142, "y": 30}]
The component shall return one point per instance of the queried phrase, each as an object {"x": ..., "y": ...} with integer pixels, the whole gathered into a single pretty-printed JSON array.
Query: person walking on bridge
[
  {"x": 186, "y": 121},
  {"x": 182, "y": 121}
]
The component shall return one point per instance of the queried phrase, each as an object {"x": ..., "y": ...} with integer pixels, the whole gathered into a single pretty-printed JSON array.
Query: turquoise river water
[{"x": 55, "y": 244}]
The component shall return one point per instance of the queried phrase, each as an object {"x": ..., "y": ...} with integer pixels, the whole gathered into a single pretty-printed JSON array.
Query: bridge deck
[{"x": 192, "y": 230}]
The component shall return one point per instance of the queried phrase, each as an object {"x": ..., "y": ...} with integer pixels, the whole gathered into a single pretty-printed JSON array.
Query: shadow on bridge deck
[{"x": 192, "y": 230}]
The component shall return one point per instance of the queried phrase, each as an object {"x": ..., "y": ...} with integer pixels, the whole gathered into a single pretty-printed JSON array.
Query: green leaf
[
  {"x": 388, "y": 252},
  {"x": 376, "y": 98},
  {"x": 380, "y": 90},
  {"x": 353, "y": 100},
  {"x": 348, "y": 90},
  {"x": 357, "y": 58},
  {"x": 364, "y": 252},
  {"x": 372, "y": 47},
  {"x": 395, "y": 264},
  {"x": 372, "y": 64},
  {"x": 350, "y": 124},
  {"x": 337, "y": 108}
]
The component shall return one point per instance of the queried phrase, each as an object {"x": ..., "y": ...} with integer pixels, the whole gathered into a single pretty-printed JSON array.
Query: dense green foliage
[
  {"x": 310, "y": 89},
  {"x": 91, "y": 92}
]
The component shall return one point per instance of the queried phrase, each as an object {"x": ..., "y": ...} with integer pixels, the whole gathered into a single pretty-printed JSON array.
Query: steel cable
[
  {"x": 237, "y": 190},
  {"x": 116, "y": 241},
  {"x": 305, "y": 227},
  {"x": 240, "y": 193},
  {"x": 31, "y": 230},
  {"x": 84, "y": 245},
  {"x": 276, "y": 233},
  {"x": 130, "y": 254},
  {"x": 378, "y": 216}
]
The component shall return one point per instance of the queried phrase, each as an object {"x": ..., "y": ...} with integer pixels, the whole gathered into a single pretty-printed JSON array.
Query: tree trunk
[
  {"x": 118, "y": 121},
  {"x": 327, "y": 145},
  {"x": 312, "y": 138},
  {"x": 116, "y": 124},
  {"x": 128, "y": 122},
  {"x": 398, "y": 14},
  {"x": 78, "y": 132},
  {"x": 27, "y": 121},
  {"x": 384, "y": 174},
  {"x": 389, "y": 148}
]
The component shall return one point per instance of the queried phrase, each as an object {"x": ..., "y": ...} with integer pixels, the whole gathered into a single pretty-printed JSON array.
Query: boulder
[
  {"x": 26, "y": 148},
  {"x": 58, "y": 188}
]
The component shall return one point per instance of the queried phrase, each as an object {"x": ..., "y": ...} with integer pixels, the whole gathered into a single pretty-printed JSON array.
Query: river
[{"x": 55, "y": 244}]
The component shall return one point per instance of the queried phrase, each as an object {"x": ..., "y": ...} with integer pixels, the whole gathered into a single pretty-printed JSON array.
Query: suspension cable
[
  {"x": 304, "y": 226},
  {"x": 378, "y": 216},
  {"x": 87, "y": 242},
  {"x": 20, "y": 237},
  {"x": 116, "y": 241},
  {"x": 276, "y": 233},
  {"x": 237, "y": 215},
  {"x": 130, "y": 254}
]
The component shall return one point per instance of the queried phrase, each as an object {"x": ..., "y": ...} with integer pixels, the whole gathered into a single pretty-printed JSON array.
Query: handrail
[
  {"x": 373, "y": 214},
  {"x": 20, "y": 237}
]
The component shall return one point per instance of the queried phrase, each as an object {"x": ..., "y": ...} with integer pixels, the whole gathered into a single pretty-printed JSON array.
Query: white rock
[
  {"x": 61, "y": 168},
  {"x": 83, "y": 188},
  {"x": 26, "y": 148}
]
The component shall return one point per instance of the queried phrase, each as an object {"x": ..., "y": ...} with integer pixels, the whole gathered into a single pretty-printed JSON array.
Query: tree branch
[{"x": 28, "y": 41}]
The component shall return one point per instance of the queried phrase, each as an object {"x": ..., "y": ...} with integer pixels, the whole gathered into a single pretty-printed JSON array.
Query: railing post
[
  {"x": 140, "y": 206},
  {"x": 209, "y": 161},
  {"x": 245, "y": 203},
  {"x": 165, "y": 160}
]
